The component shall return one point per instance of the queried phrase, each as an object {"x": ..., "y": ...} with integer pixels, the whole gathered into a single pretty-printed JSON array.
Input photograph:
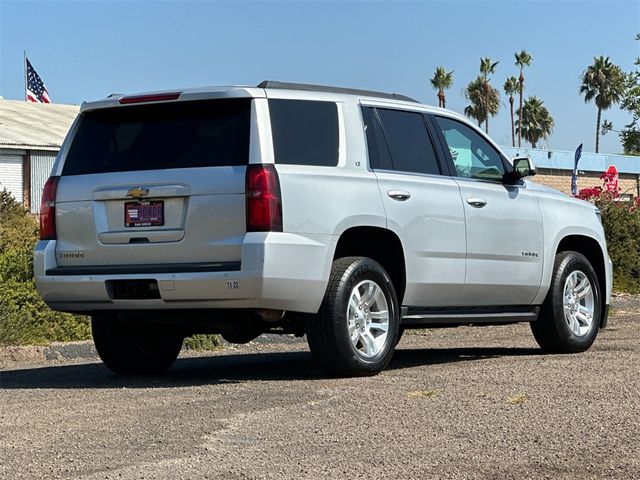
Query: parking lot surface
[{"x": 461, "y": 403}]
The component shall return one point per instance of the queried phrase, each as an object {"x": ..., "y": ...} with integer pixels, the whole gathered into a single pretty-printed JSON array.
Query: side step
[{"x": 456, "y": 316}]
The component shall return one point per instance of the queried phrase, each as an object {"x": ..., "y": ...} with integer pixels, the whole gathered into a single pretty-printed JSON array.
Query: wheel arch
[
  {"x": 379, "y": 244},
  {"x": 592, "y": 250}
]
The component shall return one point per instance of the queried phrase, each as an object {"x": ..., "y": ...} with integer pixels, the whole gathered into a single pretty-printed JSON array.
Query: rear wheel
[
  {"x": 356, "y": 329},
  {"x": 570, "y": 315},
  {"x": 127, "y": 348}
]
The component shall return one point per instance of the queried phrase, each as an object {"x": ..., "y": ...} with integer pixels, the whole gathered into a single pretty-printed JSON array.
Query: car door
[
  {"x": 503, "y": 221},
  {"x": 422, "y": 206}
]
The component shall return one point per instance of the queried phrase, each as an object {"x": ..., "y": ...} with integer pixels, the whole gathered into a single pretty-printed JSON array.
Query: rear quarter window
[
  {"x": 304, "y": 132},
  {"x": 161, "y": 136},
  {"x": 379, "y": 157}
]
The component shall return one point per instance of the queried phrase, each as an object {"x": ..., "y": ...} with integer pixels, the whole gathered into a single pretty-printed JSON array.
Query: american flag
[{"x": 36, "y": 89}]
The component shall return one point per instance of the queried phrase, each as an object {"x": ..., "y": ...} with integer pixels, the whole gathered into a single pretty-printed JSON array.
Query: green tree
[
  {"x": 441, "y": 81},
  {"x": 630, "y": 134},
  {"x": 24, "y": 317},
  {"x": 510, "y": 88},
  {"x": 523, "y": 59},
  {"x": 487, "y": 67},
  {"x": 604, "y": 83},
  {"x": 476, "y": 109},
  {"x": 536, "y": 123}
]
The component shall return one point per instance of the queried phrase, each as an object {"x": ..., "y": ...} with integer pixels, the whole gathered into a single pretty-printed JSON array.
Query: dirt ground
[{"x": 463, "y": 403}]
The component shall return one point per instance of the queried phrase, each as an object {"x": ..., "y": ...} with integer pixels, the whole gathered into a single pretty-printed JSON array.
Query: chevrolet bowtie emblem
[{"x": 138, "y": 192}]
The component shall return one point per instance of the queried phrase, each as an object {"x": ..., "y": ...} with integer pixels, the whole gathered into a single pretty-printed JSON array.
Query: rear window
[
  {"x": 160, "y": 136},
  {"x": 304, "y": 132}
]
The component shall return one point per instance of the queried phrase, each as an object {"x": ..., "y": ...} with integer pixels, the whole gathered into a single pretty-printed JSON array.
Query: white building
[{"x": 30, "y": 136}]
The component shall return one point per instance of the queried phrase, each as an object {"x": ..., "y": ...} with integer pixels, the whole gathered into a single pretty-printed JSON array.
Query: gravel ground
[{"x": 458, "y": 403}]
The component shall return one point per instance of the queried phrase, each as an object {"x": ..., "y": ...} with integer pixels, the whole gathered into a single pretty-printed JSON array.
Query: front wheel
[
  {"x": 130, "y": 348},
  {"x": 570, "y": 316},
  {"x": 356, "y": 329}
]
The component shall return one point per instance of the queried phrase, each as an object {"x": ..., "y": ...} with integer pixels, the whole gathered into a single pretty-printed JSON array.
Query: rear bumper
[{"x": 277, "y": 271}]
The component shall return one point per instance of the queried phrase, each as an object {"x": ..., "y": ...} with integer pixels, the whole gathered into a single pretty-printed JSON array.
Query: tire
[
  {"x": 127, "y": 348},
  {"x": 339, "y": 343},
  {"x": 565, "y": 324}
]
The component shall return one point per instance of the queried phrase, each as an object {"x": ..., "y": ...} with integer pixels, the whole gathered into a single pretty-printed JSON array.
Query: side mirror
[{"x": 522, "y": 167}]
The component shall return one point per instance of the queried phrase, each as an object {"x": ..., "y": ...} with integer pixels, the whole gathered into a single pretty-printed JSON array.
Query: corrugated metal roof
[{"x": 34, "y": 125}]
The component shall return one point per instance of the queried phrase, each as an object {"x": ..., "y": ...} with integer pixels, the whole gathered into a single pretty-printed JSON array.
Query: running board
[{"x": 434, "y": 316}]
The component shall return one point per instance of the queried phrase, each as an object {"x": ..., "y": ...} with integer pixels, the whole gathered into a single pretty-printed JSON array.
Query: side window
[
  {"x": 409, "y": 143},
  {"x": 472, "y": 155},
  {"x": 379, "y": 157},
  {"x": 304, "y": 132}
]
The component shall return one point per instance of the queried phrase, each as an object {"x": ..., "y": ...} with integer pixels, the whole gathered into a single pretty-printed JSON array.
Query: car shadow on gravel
[
  {"x": 416, "y": 357},
  {"x": 185, "y": 372},
  {"x": 233, "y": 368}
]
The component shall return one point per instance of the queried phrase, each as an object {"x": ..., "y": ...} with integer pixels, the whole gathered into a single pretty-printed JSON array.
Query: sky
[{"x": 87, "y": 50}]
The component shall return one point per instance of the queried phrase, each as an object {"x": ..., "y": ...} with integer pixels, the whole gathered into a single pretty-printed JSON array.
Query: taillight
[
  {"x": 264, "y": 203},
  {"x": 48, "y": 210}
]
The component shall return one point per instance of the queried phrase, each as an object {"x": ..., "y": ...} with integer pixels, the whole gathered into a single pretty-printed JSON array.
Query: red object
[
  {"x": 156, "y": 97},
  {"x": 589, "y": 193},
  {"x": 264, "y": 202},
  {"x": 48, "y": 209},
  {"x": 611, "y": 178}
]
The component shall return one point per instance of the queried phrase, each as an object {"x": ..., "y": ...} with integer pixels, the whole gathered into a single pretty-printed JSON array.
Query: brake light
[
  {"x": 154, "y": 97},
  {"x": 264, "y": 202},
  {"x": 48, "y": 209}
]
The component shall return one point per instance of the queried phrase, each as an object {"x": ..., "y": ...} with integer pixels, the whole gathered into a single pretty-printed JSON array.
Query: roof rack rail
[{"x": 324, "y": 88}]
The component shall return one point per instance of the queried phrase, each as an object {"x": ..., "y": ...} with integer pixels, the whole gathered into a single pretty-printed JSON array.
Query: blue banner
[{"x": 574, "y": 176}]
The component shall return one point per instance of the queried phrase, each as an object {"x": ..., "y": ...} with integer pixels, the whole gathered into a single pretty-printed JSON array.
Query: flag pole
[{"x": 25, "y": 74}]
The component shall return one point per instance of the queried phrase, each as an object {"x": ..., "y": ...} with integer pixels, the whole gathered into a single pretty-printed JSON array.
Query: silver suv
[{"x": 341, "y": 214}]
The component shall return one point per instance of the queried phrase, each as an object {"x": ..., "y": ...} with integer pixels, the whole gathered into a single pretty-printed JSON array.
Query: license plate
[{"x": 144, "y": 214}]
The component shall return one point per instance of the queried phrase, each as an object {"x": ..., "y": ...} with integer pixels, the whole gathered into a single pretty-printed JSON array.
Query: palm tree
[
  {"x": 603, "y": 82},
  {"x": 476, "y": 112},
  {"x": 474, "y": 93},
  {"x": 441, "y": 81},
  {"x": 536, "y": 123},
  {"x": 523, "y": 59},
  {"x": 510, "y": 87},
  {"x": 487, "y": 68}
]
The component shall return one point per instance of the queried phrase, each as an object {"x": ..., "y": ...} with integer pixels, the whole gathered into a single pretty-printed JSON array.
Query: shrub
[
  {"x": 621, "y": 221},
  {"x": 24, "y": 317},
  {"x": 201, "y": 342}
]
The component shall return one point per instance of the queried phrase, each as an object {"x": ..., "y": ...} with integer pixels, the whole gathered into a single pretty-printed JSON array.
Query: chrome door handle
[
  {"x": 476, "y": 202},
  {"x": 399, "y": 195}
]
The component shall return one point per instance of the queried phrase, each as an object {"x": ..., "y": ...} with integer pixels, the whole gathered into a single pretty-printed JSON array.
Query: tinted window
[
  {"x": 377, "y": 146},
  {"x": 304, "y": 132},
  {"x": 409, "y": 142},
  {"x": 159, "y": 136},
  {"x": 472, "y": 155}
]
